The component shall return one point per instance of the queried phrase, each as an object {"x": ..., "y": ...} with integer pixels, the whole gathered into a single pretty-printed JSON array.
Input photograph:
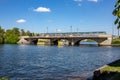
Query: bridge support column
[
  {"x": 72, "y": 43},
  {"x": 51, "y": 42}
]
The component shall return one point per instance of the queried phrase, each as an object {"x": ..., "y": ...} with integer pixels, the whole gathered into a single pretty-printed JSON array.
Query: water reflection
[{"x": 93, "y": 43}]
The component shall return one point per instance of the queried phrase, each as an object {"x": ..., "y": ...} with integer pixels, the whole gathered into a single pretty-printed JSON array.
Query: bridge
[{"x": 73, "y": 38}]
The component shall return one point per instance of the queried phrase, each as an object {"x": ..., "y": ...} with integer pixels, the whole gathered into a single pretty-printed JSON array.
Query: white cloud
[
  {"x": 42, "y": 9},
  {"x": 93, "y": 0},
  {"x": 21, "y": 21},
  {"x": 78, "y": 0}
]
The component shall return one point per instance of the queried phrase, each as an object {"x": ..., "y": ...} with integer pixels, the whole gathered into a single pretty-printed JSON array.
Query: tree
[
  {"x": 16, "y": 31},
  {"x": 28, "y": 33},
  {"x": 116, "y": 12},
  {"x": 1, "y": 35},
  {"x": 33, "y": 34},
  {"x": 12, "y": 36},
  {"x": 23, "y": 32}
]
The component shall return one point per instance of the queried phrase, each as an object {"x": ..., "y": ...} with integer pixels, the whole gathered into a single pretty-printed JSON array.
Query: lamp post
[
  {"x": 56, "y": 33},
  {"x": 77, "y": 29},
  {"x": 47, "y": 29},
  {"x": 71, "y": 29}
]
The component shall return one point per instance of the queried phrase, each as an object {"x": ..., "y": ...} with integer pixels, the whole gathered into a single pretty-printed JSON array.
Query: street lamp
[
  {"x": 71, "y": 29},
  {"x": 47, "y": 29},
  {"x": 77, "y": 29}
]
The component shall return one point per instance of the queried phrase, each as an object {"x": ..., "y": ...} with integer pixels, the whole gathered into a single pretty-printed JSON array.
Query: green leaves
[
  {"x": 117, "y": 3},
  {"x": 116, "y": 12},
  {"x": 116, "y": 21},
  {"x": 12, "y": 36},
  {"x": 1, "y": 35}
]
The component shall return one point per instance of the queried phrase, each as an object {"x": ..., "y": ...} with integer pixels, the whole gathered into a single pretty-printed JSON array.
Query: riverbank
[
  {"x": 112, "y": 45},
  {"x": 116, "y": 41},
  {"x": 115, "y": 45},
  {"x": 108, "y": 72}
]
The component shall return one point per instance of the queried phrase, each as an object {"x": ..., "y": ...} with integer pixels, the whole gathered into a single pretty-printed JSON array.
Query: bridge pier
[{"x": 72, "y": 44}]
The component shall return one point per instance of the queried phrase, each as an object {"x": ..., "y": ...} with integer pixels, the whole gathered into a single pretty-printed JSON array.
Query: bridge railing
[
  {"x": 71, "y": 35},
  {"x": 53, "y": 36},
  {"x": 66, "y": 36}
]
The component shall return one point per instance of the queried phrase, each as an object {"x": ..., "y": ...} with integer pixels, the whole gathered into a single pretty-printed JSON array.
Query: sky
[{"x": 41, "y": 16}]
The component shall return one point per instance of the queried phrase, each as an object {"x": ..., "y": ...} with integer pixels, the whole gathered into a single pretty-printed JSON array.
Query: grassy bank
[
  {"x": 116, "y": 41},
  {"x": 112, "y": 70},
  {"x": 3, "y": 78}
]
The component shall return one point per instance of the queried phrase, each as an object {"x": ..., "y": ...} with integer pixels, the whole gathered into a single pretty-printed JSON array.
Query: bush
[{"x": 116, "y": 41}]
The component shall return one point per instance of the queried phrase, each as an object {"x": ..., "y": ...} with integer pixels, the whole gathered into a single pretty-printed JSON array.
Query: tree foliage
[
  {"x": 22, "y": 33},
  {"x": 116, "y": 12},
  {"x": 12, "y": 36},
  {"x": 1, "y": 35},
  {"x": 28, "y": 33}
]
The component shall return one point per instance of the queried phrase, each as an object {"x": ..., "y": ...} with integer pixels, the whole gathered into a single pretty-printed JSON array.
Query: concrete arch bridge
[{"x": 73, "y": 39}]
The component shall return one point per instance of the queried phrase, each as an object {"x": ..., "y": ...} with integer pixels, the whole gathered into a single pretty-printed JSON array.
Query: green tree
[
  {"x": 12, "y": 36},
  {"x": 116, "y": 12},
  {"x": 23, "y": 32},
  {"x": 28, "y": 33},
  {"x": 16, "y": 31},
  {"x": 1, "y": 35},
  {"x": 33, "y": 34}
]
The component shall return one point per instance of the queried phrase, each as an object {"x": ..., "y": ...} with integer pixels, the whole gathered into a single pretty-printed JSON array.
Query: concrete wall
[
  {"x": 23, "y": 41},
  {"x": 108, "y": 41}
]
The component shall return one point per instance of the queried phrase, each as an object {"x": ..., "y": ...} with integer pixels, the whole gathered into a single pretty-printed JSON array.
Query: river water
[{"x": 32, "y": 62}]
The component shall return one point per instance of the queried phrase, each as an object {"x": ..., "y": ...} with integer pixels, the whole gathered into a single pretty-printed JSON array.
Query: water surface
[{"x": 53, "y": 63}]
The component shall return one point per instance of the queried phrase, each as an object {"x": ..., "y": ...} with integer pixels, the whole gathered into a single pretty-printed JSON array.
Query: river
[{"x": 32, "y": 62}]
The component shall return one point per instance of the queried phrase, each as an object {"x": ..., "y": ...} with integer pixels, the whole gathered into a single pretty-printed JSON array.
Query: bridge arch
[
  {"x": 88, "y": 42},
  {"x": 77, "y": 41},
  {"x": 97, "y": 40},
  {"x": 57, "y": 41}
]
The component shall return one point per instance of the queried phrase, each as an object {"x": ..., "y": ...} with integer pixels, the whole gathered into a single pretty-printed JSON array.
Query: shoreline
[
  {"x": 101, "y": 74},
  {"x": 113, "y": 45}
]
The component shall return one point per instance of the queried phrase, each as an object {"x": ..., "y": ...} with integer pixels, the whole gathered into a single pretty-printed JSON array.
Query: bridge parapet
[
  {"x": 105, "y": 35},
  {"x": 69, "y": 36},
  {"x": 23, "y": 37}
]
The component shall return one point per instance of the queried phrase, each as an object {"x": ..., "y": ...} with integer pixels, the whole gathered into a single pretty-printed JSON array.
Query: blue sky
[{"x": 57, "y": 15}]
